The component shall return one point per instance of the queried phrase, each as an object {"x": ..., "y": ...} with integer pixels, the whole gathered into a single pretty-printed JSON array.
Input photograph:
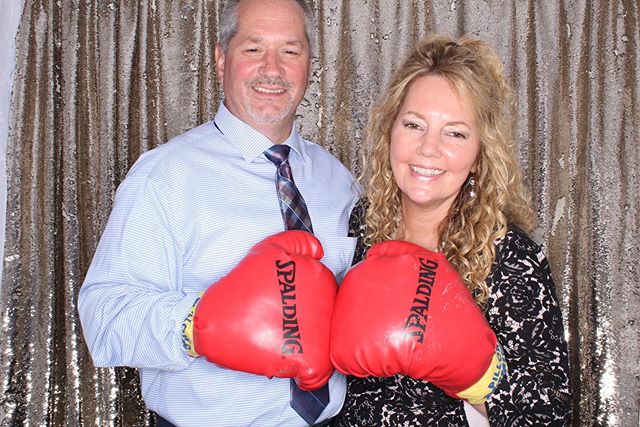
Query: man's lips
[{"x": 269, "y": 91}]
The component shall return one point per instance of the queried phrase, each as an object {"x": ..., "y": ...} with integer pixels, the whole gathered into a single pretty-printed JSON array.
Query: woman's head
[
  {"x": 476, "y": 216},
  {"x": 434, "y": 147}
]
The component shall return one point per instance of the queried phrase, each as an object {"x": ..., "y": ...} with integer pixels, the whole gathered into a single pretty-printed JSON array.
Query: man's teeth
[
  {"x": 427, "y": 172},
  {"x": 265, "y": 90}
]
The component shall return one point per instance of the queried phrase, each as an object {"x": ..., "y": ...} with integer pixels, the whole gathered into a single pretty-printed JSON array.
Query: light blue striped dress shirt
[{"x": 186, "y": 214}]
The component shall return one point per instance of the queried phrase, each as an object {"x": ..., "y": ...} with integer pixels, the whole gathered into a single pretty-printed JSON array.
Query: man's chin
[{"x": 269, "y": 117}]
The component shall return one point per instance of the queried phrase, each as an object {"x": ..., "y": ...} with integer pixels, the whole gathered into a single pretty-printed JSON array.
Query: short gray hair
[{"x": 229, "y": 23}]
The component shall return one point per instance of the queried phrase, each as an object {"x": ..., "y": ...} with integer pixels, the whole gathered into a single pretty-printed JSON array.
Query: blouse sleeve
[
  {"x": 524, "y": 313},
  {"x": 357, "y": 229}
]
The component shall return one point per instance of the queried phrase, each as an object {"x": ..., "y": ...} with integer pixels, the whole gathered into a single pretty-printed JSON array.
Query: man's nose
[{"x": 271, "y": 64}]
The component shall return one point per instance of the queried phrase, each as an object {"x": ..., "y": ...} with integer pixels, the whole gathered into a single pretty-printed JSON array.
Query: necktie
[
  {"x": 308, "y": 404},
  {"x": 294, "y": 210}
]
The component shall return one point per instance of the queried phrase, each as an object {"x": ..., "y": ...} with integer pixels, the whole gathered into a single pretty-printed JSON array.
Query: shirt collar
[{"x": 249, "y": 142}]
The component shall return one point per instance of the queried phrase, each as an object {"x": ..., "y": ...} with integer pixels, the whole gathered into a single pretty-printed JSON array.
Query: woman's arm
[{"x": 523, "y": 311}]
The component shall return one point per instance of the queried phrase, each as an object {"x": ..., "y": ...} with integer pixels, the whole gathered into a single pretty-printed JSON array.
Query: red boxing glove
[
  {"x": 271, "y": 314},
  {"x": 405, "y": 310}
]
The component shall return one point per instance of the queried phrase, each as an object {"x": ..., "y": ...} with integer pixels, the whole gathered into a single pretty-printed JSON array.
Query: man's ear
[{"x": 219, "y": 57}]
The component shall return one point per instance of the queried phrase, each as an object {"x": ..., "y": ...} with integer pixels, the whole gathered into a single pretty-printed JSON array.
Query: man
[{"x": 190, "y": 210}]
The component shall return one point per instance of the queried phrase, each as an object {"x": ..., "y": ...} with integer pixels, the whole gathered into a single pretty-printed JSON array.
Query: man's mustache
[{"x": 270, "y": 82}]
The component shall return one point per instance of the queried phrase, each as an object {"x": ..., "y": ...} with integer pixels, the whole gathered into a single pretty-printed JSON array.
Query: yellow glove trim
[
  {"x": 479, "y": 392},
  {"x": 187, "y": 330}
]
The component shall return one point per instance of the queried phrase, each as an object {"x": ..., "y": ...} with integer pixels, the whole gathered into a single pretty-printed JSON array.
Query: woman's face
[{"x": 434, "y": 145}]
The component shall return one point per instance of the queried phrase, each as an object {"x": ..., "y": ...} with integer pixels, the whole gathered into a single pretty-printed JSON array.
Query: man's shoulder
[
  {"x": 173, "y": 152},
  {"x": 321, "y": 155},
  {"x": 203, "y": 133}
]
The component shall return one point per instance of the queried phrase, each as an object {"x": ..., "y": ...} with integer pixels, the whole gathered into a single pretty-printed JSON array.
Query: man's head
[
  {"x": 229, "y": 23},
  {"x": 263, "y": 62}
]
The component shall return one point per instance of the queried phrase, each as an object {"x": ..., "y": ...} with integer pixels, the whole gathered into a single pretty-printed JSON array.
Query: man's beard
[{"x": 270, "y": 116}]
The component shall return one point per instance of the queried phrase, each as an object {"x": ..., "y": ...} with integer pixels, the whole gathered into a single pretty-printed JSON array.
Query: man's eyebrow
[{"x": 258, "y": 39}]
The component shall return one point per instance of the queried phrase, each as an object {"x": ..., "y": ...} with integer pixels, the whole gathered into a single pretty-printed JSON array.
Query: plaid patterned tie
[
  {"x": 294, "y": 210},
  {"x": 308, "y": 404}
]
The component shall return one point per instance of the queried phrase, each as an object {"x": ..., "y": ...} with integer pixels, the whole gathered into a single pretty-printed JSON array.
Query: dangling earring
[{"x": 471, "y": 183}]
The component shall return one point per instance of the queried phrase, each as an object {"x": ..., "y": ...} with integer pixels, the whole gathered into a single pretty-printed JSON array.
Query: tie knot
[{"x": 278, "y": 153}]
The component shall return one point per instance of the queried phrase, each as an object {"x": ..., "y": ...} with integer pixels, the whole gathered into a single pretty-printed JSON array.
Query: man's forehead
[
  {"x": 252, "y": 38},
  {"x": 282, "y": 21},
  {"x": 262, "y": 29}
]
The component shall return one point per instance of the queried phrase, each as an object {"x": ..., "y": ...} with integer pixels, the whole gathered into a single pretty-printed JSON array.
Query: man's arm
[{"x": 131, "y": 304}]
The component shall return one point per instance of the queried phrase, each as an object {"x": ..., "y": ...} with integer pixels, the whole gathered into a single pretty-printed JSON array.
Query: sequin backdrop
[{"x": 99, "y": 82}]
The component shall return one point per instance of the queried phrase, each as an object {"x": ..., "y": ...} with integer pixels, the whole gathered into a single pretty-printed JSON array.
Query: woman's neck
[{"x": 421, "y": 228}]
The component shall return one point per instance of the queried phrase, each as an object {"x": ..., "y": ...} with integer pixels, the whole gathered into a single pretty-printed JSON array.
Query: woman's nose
[{"x": 429, "y": 144}]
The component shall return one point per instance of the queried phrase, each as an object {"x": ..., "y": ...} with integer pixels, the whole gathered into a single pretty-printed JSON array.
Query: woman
[{"x": 442, "y": 173}]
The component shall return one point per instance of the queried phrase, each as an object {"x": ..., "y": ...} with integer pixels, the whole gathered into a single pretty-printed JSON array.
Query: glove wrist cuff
[
  {"x": 187, "y": 330},
  {"x": 479, "y": 392}
]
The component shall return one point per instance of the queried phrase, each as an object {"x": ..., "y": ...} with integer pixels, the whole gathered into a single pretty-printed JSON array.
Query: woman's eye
[
  {"x": 411, "y": 125},
  {"x": 457, "y": 134}
]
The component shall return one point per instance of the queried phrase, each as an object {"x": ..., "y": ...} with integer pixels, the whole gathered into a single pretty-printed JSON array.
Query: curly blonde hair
[{"x": 474, "y": 224}]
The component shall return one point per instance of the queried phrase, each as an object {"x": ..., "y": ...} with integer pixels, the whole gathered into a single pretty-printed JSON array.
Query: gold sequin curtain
[{"x": 98, "y": 82}]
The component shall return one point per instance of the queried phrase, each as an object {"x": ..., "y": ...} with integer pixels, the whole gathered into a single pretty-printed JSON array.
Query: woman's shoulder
[
  {"x": 356, "y": 219},
  {"x": 357, "y": 228},
  {"x": 519, "y": 260},
  {"x": 517, "y": 244}
]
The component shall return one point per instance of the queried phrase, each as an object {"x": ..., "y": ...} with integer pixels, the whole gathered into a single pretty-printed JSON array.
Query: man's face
[{"x": 265, "y": 71}]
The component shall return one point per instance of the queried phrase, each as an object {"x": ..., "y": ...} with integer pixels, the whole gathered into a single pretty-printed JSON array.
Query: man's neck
[{"x": 276, "y": 134}]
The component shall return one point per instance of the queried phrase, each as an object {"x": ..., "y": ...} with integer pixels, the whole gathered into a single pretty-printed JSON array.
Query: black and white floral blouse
[{"x": 523, "y": 311}]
